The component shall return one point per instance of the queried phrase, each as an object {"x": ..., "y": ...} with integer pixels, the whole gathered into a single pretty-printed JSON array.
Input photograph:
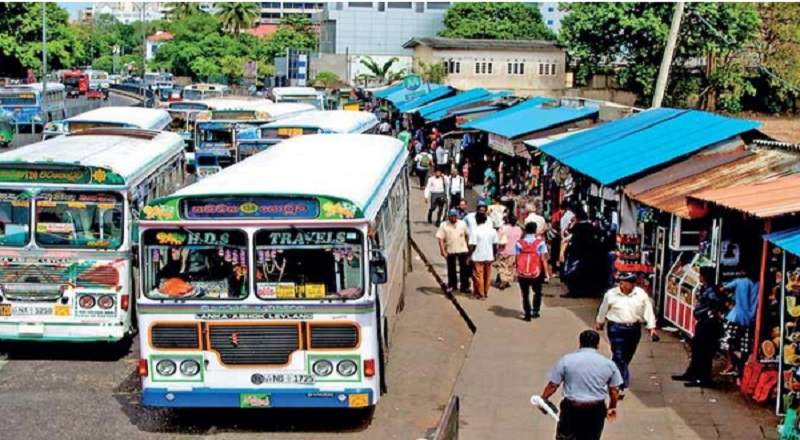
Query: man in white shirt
[
  {"x": 436, "y": 196},
  {"x": 483, "y": 247},
  {"x": 469, "y": 219},
  {"x": 539, "y": 221},
  {"x": 385, "y": 128},
  {"x": 455, "y": 187},
  {"x": 625, "y": 308}
]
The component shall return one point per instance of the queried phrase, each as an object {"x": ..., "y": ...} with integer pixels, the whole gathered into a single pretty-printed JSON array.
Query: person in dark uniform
[
  {"x": 707, "y": 331},
  {"x": 588, "y": 378}
]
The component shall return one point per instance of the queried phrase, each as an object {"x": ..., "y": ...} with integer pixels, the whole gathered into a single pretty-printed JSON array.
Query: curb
[
  {"x": 442, "y": 284},
  {"x": 128, "y": 95}
]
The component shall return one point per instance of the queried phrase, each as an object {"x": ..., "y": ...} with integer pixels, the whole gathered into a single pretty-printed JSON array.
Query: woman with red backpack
[{"x": 532, "y": 270}]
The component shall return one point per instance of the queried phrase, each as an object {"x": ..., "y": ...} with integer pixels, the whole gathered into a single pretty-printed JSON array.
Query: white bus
[
  {"x": 199, "y": 92},
  {"x": 158, "y": 80},
  {"x": 67, "y": 210},
  {"x": 219, "y": 131},
  {"x": 99, "y": 79},
  {"x": 304, "y": 95},
  {"x": 276, "y": 282},
  {"x": 110, "y": 117},
  {"x": 25, "y": 102},
  {"x": 313, "y": 122}
]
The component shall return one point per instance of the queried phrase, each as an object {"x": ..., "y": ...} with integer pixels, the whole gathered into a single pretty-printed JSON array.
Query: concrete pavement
[{"x": 509, "y": 360}]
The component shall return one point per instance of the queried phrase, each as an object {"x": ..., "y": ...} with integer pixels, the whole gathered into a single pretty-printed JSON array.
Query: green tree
[
  {"x": 236, "y": 16},
  {"x": 628, "y": 40},
  {"x": 379, "y": 71},
  {"x": 431, "y": 72},
  {"x": 495, "y": 21},
  {"x": 325, "y": 79},
  {"x": 300, "y": 24},
  {"x": 778, "y": 50},
  {"x": 21, "y": 39},
  {"x": 176, "y": 11}
]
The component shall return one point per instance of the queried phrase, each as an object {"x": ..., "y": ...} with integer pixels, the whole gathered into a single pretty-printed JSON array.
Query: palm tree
[
  {"x": 380, "y": 72},
  {"x": 434, "y": 73},
  {"x": 238, "y": 15},
  {"x": 176, "y": 11}
]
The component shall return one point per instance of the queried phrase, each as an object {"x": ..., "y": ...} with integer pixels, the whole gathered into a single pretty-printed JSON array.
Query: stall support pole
[{"x": 760, "y": 307}]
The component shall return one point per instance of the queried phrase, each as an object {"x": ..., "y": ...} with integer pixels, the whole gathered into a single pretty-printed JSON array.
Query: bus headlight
[
  {"x": 166, "y": 367},
  {"x": 190, "y": 367},
  {"x": 346, "y": 368},
  {"x": 322, "y": 368},
  {"x": 105, "y": 302},
  {"x": 86, "y": 301}
]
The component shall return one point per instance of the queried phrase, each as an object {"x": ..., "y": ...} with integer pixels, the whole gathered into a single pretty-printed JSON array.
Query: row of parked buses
[{"x": 271, "y": 283}]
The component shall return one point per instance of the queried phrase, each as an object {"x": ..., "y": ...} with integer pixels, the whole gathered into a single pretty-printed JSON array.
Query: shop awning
[
  {"x": 429, "y": 93},
  {"x": 538, "y": 142},
  {"x": 383, "y": 93},
  {"x": 529, "y": 117},
  {"x": 788, "y": 240},
  {"x": 626, "y": 147},
  {"x": 764, "y": 200},
  {"x": 438, "y": 110},
  {"x": 667, "y": 189},
  {"x": 467, "y": 111}
]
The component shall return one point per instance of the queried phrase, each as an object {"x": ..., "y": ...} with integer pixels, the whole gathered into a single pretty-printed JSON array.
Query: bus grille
[
  {"x": 97, "y": 277},
  {"x": 254, "y": 344},
  {"x": 34, "y": 274},
  {"x": 174, "y": 336},
  {"x": 334, "y": 336},
  {"x": 32, "y": 292}
]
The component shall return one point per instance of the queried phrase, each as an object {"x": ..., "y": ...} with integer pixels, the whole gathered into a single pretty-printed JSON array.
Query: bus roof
[
  {"x": 331, "y": 121},
  {"x": 353, "y": 171},
  {"x": 139, "y": 117},
  {"x": 235, "y": 103},
  {"x": 295, "y": 91},
  {"x": 34, "y": 87},
  {"x": 123, "y": 155}
]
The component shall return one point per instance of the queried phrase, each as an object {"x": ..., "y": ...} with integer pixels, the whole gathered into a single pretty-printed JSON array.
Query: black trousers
[
  {"x": 438, "y": 203},
  {"x": 455, "y": 199},
  {"x": 581, "y": 422},
  {"x": 458, "y": 271},
  {"x": 704, "y": 347},
  {"x": 423, "y": 176},
  {"x": 525, "y": 286}
]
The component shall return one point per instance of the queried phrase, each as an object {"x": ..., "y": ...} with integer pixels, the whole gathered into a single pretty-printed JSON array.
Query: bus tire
[
  {"x": 382, "y": 348},
  {"x": 363, "y": 416}
]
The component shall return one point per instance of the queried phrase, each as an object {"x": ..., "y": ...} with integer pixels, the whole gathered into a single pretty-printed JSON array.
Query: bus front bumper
[
  {"x": 61, "y": 331},
  {"x": 258, "y": 398}
]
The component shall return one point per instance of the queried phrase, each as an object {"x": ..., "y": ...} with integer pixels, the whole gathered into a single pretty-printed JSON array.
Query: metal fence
[
  {"x": 447, "y": 429},
  {"x": 149, "y": 96}
]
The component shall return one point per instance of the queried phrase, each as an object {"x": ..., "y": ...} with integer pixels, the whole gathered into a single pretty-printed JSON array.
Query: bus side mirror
[{"x": 377, "y": 270}]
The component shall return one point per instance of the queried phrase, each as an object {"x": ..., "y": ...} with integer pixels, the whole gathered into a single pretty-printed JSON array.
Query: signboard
[
  {"x": 412, "y": 83},
  {"x": 302, "y": 69},
  {"x": 58, "y": 174},
  {"x": 255, "y": 207},
  {"x": 352, "y": 107},
  {"x": 501, "y": 144}
]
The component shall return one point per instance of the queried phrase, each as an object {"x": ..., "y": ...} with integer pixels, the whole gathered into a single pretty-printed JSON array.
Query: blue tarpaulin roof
[
  {"x": 788, "y": 240},
  {"x": 483, "y": 108},
  {"x": 436, "y": 92},
  {"x": 625, "y": 147},
  {"x": 438, "y": 110},
  {"x": 529, "y": 117},
  {"x": 388, "y": 91}
]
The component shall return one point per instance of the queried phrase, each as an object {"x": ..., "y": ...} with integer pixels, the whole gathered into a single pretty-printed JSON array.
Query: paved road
[{"x": 74, "y": 107}]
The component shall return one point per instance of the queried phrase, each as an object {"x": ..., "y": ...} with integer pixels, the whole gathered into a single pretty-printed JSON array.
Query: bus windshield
[
  {"x": 314, "y": 100},
  {"x": 14, "y": 218},
  {"x": 195, "y": 264},
  {"x": 16, "y": 99},
  {"x": 79, "y": 220},
  {"x": 309, "y": 264}
]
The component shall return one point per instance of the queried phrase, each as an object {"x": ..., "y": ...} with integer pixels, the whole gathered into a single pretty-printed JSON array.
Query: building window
[
  {"x": 399, "y": 5},
  {"x": 381, "y": 6},
  {"x": 522, "y": 68},
  {"x": 438, "y": 5},
  {"x": 419, "y": 7},
  {"x": 272, "y": 5},
  {"x": 547, "y": 69},
  {"x": 553, "y": 69},
  {"x": 270, "y": 15},
  {"x": 452, "y": 67},
  {"x": 516, "y": 68},
  {"x": 549, "y": 22},
  {"x": 359, "y": 4},
  {"x": 551, "y": 9},
  {"x": 483, "y": 68}
]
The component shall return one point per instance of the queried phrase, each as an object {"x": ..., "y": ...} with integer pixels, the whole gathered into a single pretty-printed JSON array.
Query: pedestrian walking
[
  {"x": 454, "y": 247},
  {"x": 497, "y": 212},
  {"x": 469, "y": 219},
  {"x": 483, "y": 245},
  {"x": 538, "y": 220},
  {"x": 532, "y": 270},
  {"x": 708, "y": 314},
  {"x": 462, "y": 210},
  {"x": 385, "y": 128},
  {"x": 442, "y": 155},
  {"x": 435, "y": 196},
  {"x": 588, "y": 378},
  {"x": 509, "y": 234},
  {"x": 455, "y": 187},
  {"x": 737, "y": 339},
  {"x": 423, "y": 162},
  {"x": 625, "y": 307}
]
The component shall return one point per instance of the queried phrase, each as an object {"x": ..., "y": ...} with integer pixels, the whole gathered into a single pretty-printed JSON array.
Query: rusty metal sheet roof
[
  {"x": 768, "y": 199},
  {"x": 700, "y": 176}
]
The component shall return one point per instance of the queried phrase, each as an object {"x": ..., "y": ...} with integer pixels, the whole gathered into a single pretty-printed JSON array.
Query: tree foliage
[
  {"x": 176, "y": 11},
  {"x": 379, "y": 71},
  {"x": 495, "y": 21},
  {"x": 628, "y": 40},
  {"x": 778, "y": 50},
  {"x": 236, "y": 16},
  {"x": 294, "y": 32},
  {"x": 325, "y": 79},
  {"x": 431, "y": 73}
]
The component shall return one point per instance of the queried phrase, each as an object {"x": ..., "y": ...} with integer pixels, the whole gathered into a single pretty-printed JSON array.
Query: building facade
[
  {"x": 129, "y": 12},
  {"x": 527, "y": 68},
  {"x": 551, "y": 14},
  {"x": 273, "y": 12}
]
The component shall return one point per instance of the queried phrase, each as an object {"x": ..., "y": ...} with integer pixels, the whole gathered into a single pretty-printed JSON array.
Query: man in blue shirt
[
  {"x": 737, "y": 336},
  {"x": 588, "y": 378}
]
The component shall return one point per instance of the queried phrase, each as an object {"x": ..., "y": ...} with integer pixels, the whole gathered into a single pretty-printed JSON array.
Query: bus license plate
[
  {"x": 289, "y": 378},
  {"x": 31, "y": 310}
]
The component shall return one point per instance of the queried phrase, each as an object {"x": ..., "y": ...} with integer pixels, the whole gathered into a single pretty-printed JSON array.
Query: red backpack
[{"x": 529, "y": 263}]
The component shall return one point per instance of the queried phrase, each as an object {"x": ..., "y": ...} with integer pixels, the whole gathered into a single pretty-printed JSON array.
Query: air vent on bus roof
[{"x": 127, "y": 132}]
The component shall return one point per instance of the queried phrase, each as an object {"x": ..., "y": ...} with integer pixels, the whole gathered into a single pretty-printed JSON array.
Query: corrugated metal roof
[
  {"x": 478, "y": 44},
  {"x": 467, "y": 111},
  {"x": 388, "y": 91},
  {"x": 514, "y": 121},
  {"x": 626, "y": 147},
  {"x": 667, "y": 190},
  {"x": 439, "y": 109},
  {"x": 788, "y": 240},
  {"x": 436, "y": 92},
  {"x": 769, "y": 199}
]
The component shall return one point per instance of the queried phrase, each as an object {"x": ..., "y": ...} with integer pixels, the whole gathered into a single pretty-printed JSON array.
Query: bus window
[
  {"x": 197, "y": 264},
  {"x": 192, "y": 95},
  {"x": 309, "y": 264},
  {"x": 14, "y": 219},
  {"x": 79, "y": 220}
]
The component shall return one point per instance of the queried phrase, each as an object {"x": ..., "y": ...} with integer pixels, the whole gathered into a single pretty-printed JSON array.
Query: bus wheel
[
  {"x": 362, "y": 417},
  {"x": 4, "y": 144}
]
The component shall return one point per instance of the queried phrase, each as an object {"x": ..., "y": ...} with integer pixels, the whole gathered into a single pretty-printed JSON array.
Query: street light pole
[
  {"x": 666, "y": 62},
  {"x": 43, "y": 98}
]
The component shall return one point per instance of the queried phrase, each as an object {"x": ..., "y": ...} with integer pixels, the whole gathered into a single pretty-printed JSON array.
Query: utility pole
[
  {"x": 666, "y": 62},
  {"x": 44, "y": 64}
]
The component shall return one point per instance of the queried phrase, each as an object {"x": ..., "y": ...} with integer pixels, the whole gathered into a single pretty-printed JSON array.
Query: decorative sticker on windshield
[{"x": 259, "y": 207}]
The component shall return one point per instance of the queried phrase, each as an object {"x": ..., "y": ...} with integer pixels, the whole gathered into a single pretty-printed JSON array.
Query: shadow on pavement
[
  {"x": 66, "y": 351},
  {"x": 505, "y": 312}
]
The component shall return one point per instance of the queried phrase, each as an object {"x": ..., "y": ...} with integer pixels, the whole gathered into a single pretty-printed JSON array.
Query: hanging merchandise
[{"x": 646, "y": 214}]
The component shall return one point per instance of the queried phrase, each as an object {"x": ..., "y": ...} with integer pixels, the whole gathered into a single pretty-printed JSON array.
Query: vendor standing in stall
[{"x": 739, "y": 320}]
